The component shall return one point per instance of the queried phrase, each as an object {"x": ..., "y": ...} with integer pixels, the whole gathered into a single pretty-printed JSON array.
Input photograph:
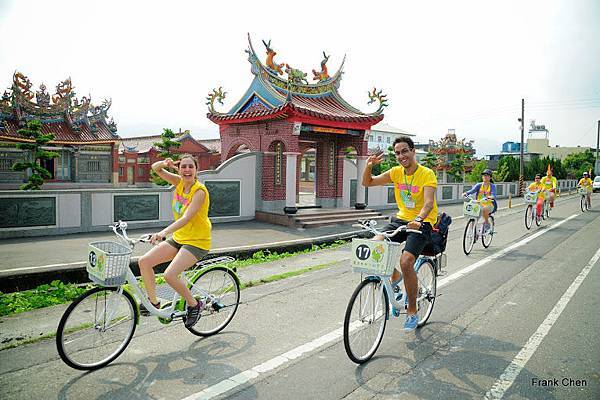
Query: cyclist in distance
[
  {"x": 550, "y": 184},
  {"x": 191, "y": 232},
  {"x": 487, "y": 190},
  {"x": 414, "y": 190},
  {"x": 537, "y": 186},
  {"x": 586, "y": 183}
]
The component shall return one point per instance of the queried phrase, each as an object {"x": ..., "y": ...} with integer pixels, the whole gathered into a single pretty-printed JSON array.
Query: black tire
[
  {"x": 469, "y": 236},
  {"x": 426, "y": 292},
  {"x": 82, "y": 333},
  {"x": 224, "y": 287},
  {"x": 583, "y": 204},
  {"x": 357, "y": 324},
  {"x": 529, "y": 216},
  {"x": 486, "y": 239},
  {"x": 539, "y": 218}
]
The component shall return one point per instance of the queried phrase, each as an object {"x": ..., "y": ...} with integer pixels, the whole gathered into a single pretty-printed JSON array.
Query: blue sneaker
[{"x": 411, "y": 323}]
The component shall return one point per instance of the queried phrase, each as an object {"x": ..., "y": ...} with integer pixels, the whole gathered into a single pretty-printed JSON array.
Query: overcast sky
[{"x": 463, "y": 65}]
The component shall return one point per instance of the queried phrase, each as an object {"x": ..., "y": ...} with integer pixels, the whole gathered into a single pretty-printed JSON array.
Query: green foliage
[
  {"x": 576, "y": 164},
  {"x": 475, "y": 174},
  {"x": 508, "y": 169},
  {"x": 56, "y": 292},
  {"x": 165, "y": 146},
  {"x": 540, "y": 166},
  {"x": 33, "y": 130},
  {"x": 430, "y": 160},
  {"x": 457, "y": 166}
]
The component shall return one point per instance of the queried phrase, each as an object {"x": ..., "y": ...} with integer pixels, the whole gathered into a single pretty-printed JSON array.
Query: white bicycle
[{"x": 98, "y": 326}]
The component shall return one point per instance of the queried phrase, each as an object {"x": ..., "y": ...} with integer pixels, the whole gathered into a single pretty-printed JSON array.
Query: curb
[{"x": 19, "y": 281}]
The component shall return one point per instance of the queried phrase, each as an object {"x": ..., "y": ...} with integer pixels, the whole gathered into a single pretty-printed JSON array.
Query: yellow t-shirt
[
  {"x": 549, "y": 182},
  {"x": 585, "y": 182},
  {"x": 485, "y": 191},
  {"x": 409, "y": 189},
  {"x": 537, "y": 187},
  {"x": 197, "y": 231}
]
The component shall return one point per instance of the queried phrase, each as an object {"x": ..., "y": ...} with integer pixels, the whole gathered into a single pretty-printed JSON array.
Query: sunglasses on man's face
[{"x": 403, "y": 152}]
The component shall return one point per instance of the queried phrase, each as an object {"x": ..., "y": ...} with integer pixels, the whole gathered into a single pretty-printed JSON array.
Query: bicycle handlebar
[
  {"x": 370, "y": 226},
  {"x": 122, "y": 226}
]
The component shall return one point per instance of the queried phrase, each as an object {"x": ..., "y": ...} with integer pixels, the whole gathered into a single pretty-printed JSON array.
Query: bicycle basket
[
  {"x": 582, "y": 190},
  {"x": 107, "y": 263},
  {"x": 530, "y": 197},
  {"x": 375, "y": 257},
  {"x": 472, "y": 209}
]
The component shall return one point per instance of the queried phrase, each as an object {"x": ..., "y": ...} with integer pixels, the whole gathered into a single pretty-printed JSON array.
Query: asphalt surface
[{"x": 284, "y": 342}]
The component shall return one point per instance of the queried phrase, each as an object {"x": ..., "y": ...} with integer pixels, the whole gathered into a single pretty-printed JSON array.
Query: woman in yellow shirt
[
  {"x": 539, "y": 187},
  {"x": 191, "y": 234}
]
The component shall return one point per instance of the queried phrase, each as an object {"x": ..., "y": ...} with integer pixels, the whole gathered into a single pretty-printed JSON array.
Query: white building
[{"x": 382, "y": 135}]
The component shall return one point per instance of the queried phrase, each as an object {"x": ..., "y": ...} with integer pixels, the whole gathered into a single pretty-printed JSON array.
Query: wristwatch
[{"x": 419, "y": 219}]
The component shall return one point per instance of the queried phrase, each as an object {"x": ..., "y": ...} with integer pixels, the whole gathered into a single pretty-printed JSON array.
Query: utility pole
[{"x": 522, "y": 161}]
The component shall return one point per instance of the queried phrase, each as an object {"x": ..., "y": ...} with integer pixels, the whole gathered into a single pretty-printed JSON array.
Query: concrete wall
[{"x": 242, "y": 168}]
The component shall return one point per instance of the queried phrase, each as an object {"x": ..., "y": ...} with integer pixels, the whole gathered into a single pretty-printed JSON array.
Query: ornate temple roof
[
  {"x": 70, "y": 119},
  {"x": 270, "y": 96}
]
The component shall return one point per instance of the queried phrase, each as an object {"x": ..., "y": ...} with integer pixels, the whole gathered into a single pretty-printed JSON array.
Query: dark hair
[
  {"x": 537, "y": 176},
  {"x": 404, "y": 139},
  {"x": 186, "y": 155}
]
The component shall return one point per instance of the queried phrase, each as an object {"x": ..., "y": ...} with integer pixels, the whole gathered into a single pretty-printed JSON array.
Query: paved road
[{"x": 508, "y": 317}]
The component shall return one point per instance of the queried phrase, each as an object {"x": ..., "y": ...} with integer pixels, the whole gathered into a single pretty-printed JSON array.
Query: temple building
[
  {"x": 137, "y": 154},
  {"x": 446, "y": 150},
  {"x": 84, "y": 137},
  {"x": 282, "y": 117}
]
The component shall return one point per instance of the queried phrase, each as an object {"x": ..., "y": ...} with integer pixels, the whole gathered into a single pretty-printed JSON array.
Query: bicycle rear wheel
[
  {"x": 219, "y": 289},
  {"x": 469, "y": 236},
  {"x": 529, "y": 216},
  {"x": 96, "y": 328},
  {"x": 365, "y": 319},
  {"x": 486, "y": 238},
  {"x": 427, "y": 288}
]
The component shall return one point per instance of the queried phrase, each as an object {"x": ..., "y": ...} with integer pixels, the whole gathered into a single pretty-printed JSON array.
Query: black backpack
[{"x": 439, "y": 235}]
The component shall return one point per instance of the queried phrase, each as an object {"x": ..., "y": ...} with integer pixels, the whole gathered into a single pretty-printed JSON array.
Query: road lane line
[
  {"x": 514, "y": 368},
  {"x": 277, "y": 361}
]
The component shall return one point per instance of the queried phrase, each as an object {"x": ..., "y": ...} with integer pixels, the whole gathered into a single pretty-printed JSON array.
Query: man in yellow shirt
[
  {"x": 550, "y": 184},
  {"x": 414, "y": 190},
  {"x": 587, "y": 183}
]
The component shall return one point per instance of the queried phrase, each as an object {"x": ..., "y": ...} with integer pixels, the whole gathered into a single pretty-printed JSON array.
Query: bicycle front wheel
[
  {"x": 219, "y": 289},
  {"x": 427, "y": 287},
  {"x": 486, "y": 238},
  {"x": 96, "y": 328},
  {"x": 469, "y": 236},
  {"x": 582, "y": 204},
  {"x": 365, "y": 319},
  {"x": 528, "y": 216}
]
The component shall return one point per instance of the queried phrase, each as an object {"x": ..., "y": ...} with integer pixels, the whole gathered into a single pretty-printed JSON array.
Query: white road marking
[
  {"x": 269, "y": 365},
  {"x": 514, "y": 368}
]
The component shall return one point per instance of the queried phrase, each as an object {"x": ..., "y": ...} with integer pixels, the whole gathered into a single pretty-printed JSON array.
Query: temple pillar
[
  {"x": 361, "y": 164},
  {"x": 290, "y": 183}
]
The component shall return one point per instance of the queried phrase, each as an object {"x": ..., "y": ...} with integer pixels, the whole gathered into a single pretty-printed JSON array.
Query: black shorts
[{"x": 415, "y": 243}]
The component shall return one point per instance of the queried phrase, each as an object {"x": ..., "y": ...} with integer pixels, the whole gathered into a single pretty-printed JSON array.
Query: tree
[
  {"x": 33, "y": 130},
  {"x": 478, "y": 168},
  {"x": 508, "y": 168},
  {"x": 430, "y": 160},
  {"x": 165, "y": 146},
  {"x": 457, "y": 166},
  {"x": 576, "y": 163}
]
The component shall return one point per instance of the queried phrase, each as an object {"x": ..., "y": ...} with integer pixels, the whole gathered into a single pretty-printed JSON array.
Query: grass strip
[{"x": 58, "y": 292}]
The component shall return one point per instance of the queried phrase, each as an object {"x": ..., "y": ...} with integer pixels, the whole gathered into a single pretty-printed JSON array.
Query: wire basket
[
  {"x": 375, "y": 257},
  {"x": 583, "y": 190},
  {"x": 472, "y": 209},
  {"x": 530, "y": 197},
  {"x": 108, "y": 262}
]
